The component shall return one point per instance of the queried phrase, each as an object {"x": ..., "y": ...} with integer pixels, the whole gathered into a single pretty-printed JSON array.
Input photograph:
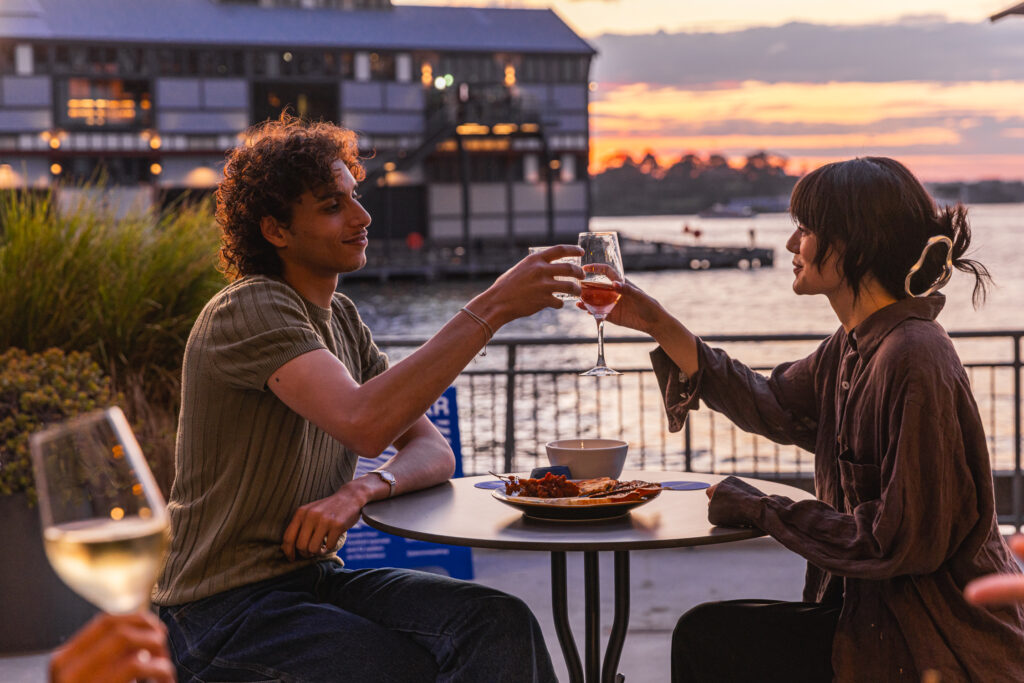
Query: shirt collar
[{"x": 866, "y": 336}]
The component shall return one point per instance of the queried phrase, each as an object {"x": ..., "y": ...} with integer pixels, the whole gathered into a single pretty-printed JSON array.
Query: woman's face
[{"x": 810, "y": 277}]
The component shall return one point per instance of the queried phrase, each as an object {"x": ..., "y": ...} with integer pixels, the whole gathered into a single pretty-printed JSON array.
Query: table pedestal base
[{"x": 594, "y": 671}]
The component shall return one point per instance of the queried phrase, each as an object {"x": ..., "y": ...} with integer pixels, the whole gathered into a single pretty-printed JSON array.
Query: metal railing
[{"x": 528, "y": 391}]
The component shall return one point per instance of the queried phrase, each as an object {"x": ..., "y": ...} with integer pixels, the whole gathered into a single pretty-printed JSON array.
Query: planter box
[{"x": 37, "y": 611}]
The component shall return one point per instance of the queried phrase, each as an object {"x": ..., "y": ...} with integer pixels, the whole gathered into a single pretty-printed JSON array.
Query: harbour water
[
  {"x": 725, "y": 301},
  {"x": 709, "y": 302}
]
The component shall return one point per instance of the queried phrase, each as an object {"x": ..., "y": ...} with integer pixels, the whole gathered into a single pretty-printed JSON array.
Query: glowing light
[
  {"x": 389, "y": 166},
  {"x": 510, "y": 75},
  {"x": 201, "y": 177},
  {"x": 54, "y": 142},
  {"x": 504, "y": 128},
  {"x": 117, "y": 514},
  {"x": 472, "y": 129},
  {"x": 56, "y": 169},
  {"x": 529, "y": 128},
  {"x": 555, "y": 164},
  {"x": 287, "y": 56},
  {"x": 155, "y": 142},
  {"x": 156, "y": 169},
  {"x": 427, "y": 75},
  {"x": 449, "y": 80},
  {"x": 592, "y": 86},
  {"x": 440, "y": 83}
]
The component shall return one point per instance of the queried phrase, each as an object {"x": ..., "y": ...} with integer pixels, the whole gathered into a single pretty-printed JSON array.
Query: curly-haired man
[{"x": 283, "y": 387}]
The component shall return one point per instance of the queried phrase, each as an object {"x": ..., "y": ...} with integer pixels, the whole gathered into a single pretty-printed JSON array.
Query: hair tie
[{"x": 947, "y": 267}]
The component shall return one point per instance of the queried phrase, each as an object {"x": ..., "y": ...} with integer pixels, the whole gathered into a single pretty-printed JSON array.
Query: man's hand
[
  {"x": 710, "y": 491},
  {"x": 115, "y": 648},
  {"x": 316, "y": 527},
  {"x": 530, "y": 286},
  {"x": 996, "y": 589}
]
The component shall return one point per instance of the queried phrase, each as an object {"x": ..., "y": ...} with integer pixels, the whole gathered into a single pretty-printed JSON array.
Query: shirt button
[{"x": 845, "y": 385}]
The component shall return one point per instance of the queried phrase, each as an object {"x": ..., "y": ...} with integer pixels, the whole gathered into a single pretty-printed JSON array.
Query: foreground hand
[
  {"x": 115, "y": 648},
  {"x": 996, "y": 589},
  {"x": 316, "y": 527},
  {"x": 530, "y": 285}
]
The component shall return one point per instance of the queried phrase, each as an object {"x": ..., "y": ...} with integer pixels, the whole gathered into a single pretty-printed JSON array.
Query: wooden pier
[{"x": 395, "y": 261}]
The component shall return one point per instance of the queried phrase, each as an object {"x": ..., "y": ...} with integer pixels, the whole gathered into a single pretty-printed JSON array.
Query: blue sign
[{"x": 366, "y": 547}]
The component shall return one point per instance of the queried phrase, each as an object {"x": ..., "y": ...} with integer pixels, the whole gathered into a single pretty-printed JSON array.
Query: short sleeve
[
  {"x": 255, "y": 328},
  {"x": 372, "y": 361}
]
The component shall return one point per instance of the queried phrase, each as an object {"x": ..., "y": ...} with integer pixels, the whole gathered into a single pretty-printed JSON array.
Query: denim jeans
[{"x": 325, "y": 623}]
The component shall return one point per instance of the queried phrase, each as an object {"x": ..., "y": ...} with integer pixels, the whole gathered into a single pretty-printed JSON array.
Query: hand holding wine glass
[
  {"x": 602, "y": 264},
  {"x": 104, "y": 520}
]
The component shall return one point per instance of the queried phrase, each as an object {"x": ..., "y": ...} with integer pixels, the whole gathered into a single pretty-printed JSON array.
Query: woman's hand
[
  {"x": 996, "y": 589},
  {"x": 115, "y": 648},
  {"x": 635, "y": 309}
]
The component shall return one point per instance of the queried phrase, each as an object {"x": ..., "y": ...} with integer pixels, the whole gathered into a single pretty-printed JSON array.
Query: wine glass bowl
[
  {"x": 602, "y": 264},
  {"x": 105, "y": 524}
]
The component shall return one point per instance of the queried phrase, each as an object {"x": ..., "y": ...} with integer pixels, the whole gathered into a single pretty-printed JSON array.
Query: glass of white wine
[{"x": 105, "y": 524}]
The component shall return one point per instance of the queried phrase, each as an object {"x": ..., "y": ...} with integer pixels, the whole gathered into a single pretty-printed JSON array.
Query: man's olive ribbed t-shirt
[{"x": 244, "y": 460}]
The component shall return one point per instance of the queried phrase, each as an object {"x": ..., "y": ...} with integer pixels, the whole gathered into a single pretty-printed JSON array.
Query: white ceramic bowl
[{"x": 589, "y": 458}]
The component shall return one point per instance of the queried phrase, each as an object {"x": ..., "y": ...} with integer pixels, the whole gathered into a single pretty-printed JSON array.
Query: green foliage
[
  {"x": 125, "y": 289},
  {"x": 36, "y": 390}
]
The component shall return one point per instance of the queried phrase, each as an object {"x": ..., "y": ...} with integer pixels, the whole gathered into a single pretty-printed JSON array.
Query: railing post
[
  {"x": 1018, "y": 492},
  {"x": 687, "y": 446},
  {"x": 510, "y": 406}
]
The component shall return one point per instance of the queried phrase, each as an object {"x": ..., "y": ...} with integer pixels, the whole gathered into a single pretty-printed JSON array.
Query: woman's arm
[
  {"x": 923, "y": 505},
  {"x": 782, "y": 407}
]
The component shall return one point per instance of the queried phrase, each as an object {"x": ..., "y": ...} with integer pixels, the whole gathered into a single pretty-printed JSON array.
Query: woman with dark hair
[{"x": 905, "y": 514}]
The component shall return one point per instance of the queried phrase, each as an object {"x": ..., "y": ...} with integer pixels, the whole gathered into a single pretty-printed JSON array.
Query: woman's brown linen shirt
[{"x": 905, "y": 515}]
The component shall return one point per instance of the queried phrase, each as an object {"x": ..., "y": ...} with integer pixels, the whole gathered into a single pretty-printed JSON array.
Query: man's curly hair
[{"x": 279, "y": 161}]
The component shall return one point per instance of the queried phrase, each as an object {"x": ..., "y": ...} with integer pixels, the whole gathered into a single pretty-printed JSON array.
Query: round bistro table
[{"x": 459, "y": 513}]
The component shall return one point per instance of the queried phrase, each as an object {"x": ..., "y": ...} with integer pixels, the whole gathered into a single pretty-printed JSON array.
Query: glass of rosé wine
[{"x": 602, "y": 263}]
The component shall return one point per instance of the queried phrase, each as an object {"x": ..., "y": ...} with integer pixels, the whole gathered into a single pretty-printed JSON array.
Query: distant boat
[{"x": 727, "y": 211}]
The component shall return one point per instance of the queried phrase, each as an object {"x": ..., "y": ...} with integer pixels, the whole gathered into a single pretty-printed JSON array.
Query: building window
[
  {"x": 221, "y": 63},
  {"x": 6, "y": 57},
  {"x": 107, "y": 104},
  {"x": 311, "y": 101},
  {"x": 382, "y": 66},
  {"x": 111, "y": 170}
]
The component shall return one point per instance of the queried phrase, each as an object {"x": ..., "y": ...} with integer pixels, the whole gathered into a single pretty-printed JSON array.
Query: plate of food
[{"x": 554, "y": 497}]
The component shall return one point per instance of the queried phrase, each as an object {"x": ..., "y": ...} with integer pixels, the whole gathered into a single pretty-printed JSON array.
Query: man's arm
[
  {"x": 368, "y": 418},
  {"x": 424, "y": 459}
]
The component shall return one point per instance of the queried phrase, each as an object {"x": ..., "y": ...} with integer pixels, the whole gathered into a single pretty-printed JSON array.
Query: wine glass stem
[{"x": 600, "y": 341}]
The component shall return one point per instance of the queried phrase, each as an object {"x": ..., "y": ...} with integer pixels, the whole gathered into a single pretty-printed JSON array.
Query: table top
[{"x": 458, "y": 513}]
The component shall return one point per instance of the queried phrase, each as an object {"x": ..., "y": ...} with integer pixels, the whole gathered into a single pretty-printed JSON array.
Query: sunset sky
[{"x": 934, "y": 84}]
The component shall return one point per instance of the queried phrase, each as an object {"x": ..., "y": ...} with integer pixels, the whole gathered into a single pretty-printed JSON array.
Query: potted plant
[{"x": 39, "y": 611}]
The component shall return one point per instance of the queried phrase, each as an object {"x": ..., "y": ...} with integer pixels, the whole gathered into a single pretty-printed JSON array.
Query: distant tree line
[
  {"x": 628, "y": 187},
  {"x": 690, "y": 185},
  {"x": 983, "y": 192}
]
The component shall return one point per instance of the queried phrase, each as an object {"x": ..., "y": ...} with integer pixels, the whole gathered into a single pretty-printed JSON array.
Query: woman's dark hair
[
  {"x": 875, "y": 213},
  {"x": 278, "y": 162}
]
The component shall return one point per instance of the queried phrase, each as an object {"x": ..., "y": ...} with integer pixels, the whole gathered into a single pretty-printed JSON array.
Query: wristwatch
[{"x": 388, "y": 479}]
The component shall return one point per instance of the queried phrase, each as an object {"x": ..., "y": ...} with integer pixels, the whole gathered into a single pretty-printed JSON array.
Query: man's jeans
[{"x": 325, "y": 623}]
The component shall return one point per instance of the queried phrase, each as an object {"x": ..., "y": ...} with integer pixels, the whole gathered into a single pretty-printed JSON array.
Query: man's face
[{"x": 328, "y": 231}]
